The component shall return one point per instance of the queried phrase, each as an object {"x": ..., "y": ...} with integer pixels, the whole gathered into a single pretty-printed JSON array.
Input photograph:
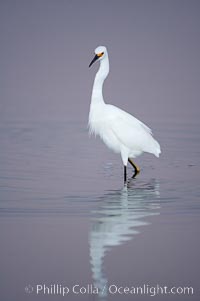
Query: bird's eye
[{"x": 100, "y": 54}]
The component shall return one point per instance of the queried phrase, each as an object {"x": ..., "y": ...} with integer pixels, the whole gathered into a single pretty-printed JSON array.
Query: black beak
[{"x": 94, "y": 60}]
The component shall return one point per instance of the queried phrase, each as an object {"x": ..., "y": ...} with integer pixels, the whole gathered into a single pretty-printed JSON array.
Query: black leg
[
  {"x": 136, "y": 168},
  {"x": 124, "y": 174}
]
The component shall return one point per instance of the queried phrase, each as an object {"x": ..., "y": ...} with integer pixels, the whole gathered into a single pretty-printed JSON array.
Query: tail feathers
[
  {"x": 157, "y": 150},
  {"x": 154, "y": 147},
  {"x": 157, "y": 153}
]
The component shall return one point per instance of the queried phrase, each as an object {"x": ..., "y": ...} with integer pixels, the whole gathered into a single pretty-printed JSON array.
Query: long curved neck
[{"x": 97, "y": 95}]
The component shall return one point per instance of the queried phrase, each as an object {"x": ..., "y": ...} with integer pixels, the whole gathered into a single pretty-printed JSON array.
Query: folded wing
[{"x": 131, "y": 132}]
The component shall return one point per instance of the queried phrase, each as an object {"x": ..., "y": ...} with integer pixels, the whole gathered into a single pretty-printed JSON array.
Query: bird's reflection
[{"x": 117, "y": 220}]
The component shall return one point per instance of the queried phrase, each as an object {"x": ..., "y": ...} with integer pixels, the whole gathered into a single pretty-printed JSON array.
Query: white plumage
[{"x": 119, "y": 130}]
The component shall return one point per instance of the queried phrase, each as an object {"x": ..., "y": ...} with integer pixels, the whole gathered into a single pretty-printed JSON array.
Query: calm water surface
[{"x": 66, "y": 218}]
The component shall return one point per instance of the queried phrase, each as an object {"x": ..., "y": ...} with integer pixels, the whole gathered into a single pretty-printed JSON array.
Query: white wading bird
[{"x": 119, "y": 130}]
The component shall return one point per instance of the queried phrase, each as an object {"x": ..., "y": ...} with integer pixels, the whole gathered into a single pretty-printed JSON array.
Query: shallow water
[{"x": 66, "y": 218}]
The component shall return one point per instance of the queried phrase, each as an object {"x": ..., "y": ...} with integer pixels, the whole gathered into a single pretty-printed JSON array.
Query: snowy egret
[{"x": 119, "y": 130}]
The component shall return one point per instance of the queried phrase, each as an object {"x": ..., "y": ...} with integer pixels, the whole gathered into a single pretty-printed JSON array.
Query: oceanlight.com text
[{"x": 111, "y": 289}]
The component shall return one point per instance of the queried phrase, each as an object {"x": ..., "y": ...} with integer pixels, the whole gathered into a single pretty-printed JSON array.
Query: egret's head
[{"x": 100, "y": 53}]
